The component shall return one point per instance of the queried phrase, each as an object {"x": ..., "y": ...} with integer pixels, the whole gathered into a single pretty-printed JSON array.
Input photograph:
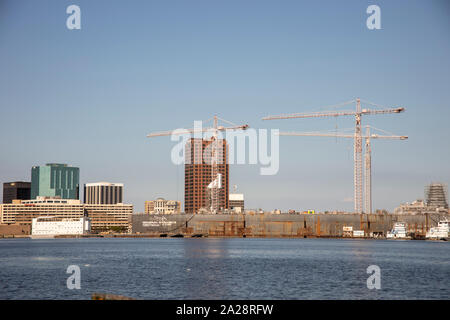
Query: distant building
[
  {"x": 16, "y": 190},
  {"x": 55, "y": 179},
  {"x": 415, "y": 207},
  {"x": 149, "y": 207},
  {"x": 52, "y": 226},
  {"x": 103, "y": 193},
  {"x": 103, "y": 216},
  {"x": 436, "y": 201},
  {"x": 418, "y": 207},
  {"x": 198, "y": 175},
  {"x": 236, "y": 202},
  {"x": 436, "y": 195},
  {"x": 254, "y": 211},
  {"x": 162, "y": 206}
]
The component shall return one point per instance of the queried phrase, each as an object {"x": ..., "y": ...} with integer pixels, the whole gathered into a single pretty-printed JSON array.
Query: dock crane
[
  {"x": 215, "y": 185},
  {"x": 357, "y": 136},
  {"x": 367, "y": 157}
]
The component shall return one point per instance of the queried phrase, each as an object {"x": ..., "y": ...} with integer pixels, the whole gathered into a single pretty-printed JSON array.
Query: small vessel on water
[
  {"x": 398, "y": 232},
  {"x": 440, "y": 232}
]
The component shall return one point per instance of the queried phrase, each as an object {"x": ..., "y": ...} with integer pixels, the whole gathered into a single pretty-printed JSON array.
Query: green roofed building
[{"x": 55, "y": 179}]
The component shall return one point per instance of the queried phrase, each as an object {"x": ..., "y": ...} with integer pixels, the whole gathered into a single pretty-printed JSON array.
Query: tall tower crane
[
  {"x": 215, "y": 185},
  {"x": 367, "y": 157},
  {"x": 358, "y": 113}
]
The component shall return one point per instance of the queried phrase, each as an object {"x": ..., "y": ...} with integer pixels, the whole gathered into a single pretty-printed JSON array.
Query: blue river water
[{"x": 208, "y": 268}]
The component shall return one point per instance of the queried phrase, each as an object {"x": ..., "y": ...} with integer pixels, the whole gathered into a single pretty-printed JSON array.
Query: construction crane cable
[
  {"x": 229, "y": 122},
  {"x": 357, "y": 136},
  {"x": 335, "y": 106},
  {"x": 373, "y": 104},
  {"x": 381, "y": 130}
]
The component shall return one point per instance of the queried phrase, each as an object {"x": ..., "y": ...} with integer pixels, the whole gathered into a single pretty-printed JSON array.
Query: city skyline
[{"x": 88, "y": 97}]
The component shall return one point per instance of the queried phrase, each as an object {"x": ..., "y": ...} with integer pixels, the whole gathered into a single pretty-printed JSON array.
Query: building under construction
[
  {"x": 206, "y": 166},
  {"x": 436, "y": 195},
  {"x": 198, "y": 175}
]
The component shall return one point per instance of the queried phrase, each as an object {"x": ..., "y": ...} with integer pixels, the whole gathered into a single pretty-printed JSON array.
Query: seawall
[{"x": 278, "y": 225}]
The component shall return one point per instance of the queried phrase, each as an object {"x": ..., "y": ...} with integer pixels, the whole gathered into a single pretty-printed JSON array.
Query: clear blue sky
[{"x": 88, "y": 97}]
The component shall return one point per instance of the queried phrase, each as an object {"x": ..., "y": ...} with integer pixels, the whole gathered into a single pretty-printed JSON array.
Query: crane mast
[
  {"x": 357, "y": 155},
  {"x": 214, "y": 205},
  {"x": 368, "y": 154},
  {"x": 357, "y": 175},
  {"x": 368, "y": 174}
]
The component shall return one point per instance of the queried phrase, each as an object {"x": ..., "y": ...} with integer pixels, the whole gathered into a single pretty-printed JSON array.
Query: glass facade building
[{"x": 55, "y": 179}]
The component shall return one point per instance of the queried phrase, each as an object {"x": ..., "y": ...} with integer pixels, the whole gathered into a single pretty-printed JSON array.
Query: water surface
[{"x": 224, "y": 268}]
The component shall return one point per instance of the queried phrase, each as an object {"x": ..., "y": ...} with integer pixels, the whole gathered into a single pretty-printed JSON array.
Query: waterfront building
[
  {"x": 55, "y": 179},
  {"x": 103, "y": 193},
  {"x": 103, "y": 216},
  {"x": 149, "y": 207},
  {"x": 415, "y": 207},
  {"x": 418, "y": 207},
  {"x": 162, "y": 206},
  {"x": 198, "y": 175},
  {"x": 110, "y": 216},
  {"x": 50, "y": 226},
  {"x": 436, "y": 202},
  {"x": 236, "y": 202},
  {"x": 16, "y": 190}
]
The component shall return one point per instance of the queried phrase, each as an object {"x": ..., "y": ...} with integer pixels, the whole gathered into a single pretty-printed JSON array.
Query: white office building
[
  {"x": 103, "y": 193},
  {"x": 236, "y": 202}
]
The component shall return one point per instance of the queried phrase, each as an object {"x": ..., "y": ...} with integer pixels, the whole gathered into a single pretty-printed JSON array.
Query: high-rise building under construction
[
  {"x": 198, "y": 175},
  {"x": 436, "y": 195}
]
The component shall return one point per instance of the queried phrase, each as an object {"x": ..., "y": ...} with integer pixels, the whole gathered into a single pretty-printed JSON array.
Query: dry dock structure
[{"x": 278, "y": 225}]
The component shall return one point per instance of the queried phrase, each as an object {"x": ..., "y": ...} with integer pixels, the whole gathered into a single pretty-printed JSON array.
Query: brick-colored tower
[{"x": 198, "y": 174}]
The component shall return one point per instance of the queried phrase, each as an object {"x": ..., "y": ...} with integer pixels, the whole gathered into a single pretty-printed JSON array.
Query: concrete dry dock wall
[{"x": 282, "y": 225}]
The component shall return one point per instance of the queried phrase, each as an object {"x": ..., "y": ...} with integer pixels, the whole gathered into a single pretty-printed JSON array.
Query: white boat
[
  {"x": 440, "y": 232},
  {"x": 398, "y": 232}
]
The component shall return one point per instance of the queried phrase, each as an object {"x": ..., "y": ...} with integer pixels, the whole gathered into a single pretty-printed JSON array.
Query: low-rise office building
[
  {"x": 103, "y": 216},
  {"x": 236, "y": 202}
]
